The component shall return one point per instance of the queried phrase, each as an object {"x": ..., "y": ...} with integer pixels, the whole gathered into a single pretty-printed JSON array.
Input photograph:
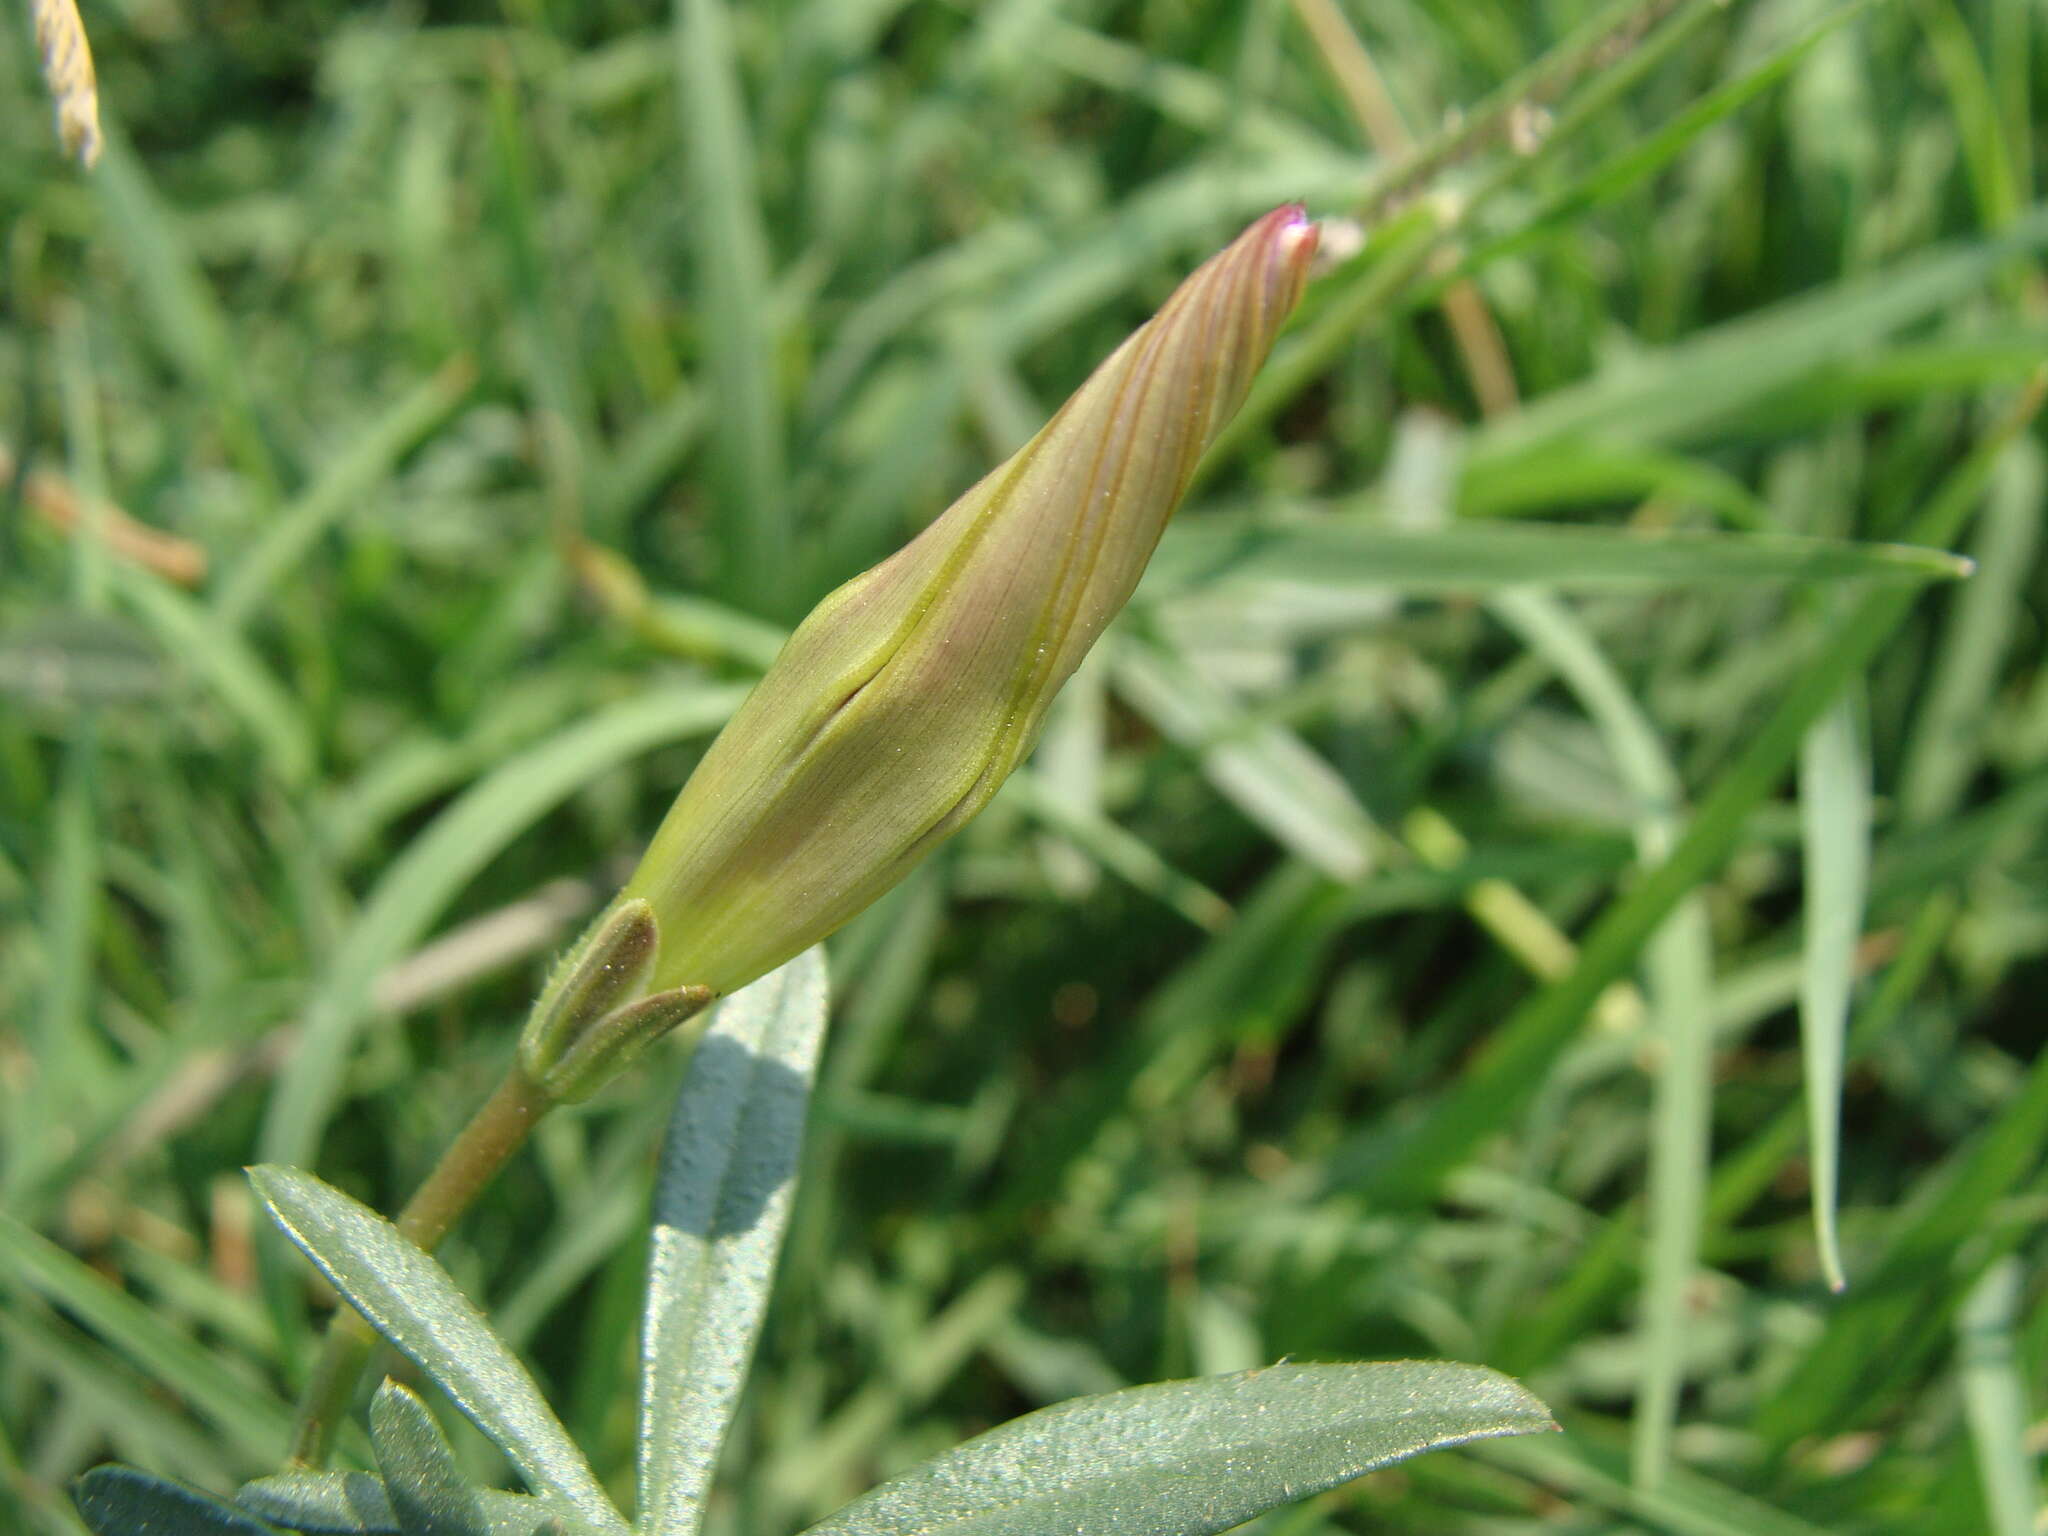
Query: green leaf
[
  {"x": 1188, "y": 1457},
  {"x": 728, "y": 1170},
  {"x": 124, "y": 1501},
  {"x": 343, "y": 484},
  {"x": 411, "y": 1300},
  {"x": 1835, "y": 815},
  {"x": 1341, "y": 550},
  {"x": 1407, "y": 1165},
  {"x": 185, "y": 320},
  {"x": 218, "y": 656},
  {"x": 1985, "y": 626},
  {"x": 72, "y": 659},
  {"x": 247, "y": 1417},
  {"x": 1885, "y": 1328},
  {"x": 426, "y": 1491},
  {"x": 1265, "y": 770},
  {"x": 734, "y": 292},
  {"x": 1685, "y": 1504},
  {"x": 322, "y": 1503},
  {"x": 356, "y": 1504},
  {"x": 1090, "y": 832},
  {"x": 1689, "y": 390},
  {"x": 1678, "y": 966},
  {"x": 1988, "y": 1361}
]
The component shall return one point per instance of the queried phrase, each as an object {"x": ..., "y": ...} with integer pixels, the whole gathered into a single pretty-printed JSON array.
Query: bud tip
[{"x": 1298, "y": 232}]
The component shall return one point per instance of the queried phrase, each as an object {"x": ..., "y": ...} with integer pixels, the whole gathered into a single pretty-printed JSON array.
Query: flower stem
[{"x": 472, "y": 1160}]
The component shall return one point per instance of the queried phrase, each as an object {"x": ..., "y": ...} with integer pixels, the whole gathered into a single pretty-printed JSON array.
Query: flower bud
[{"x": 904, "y": 700}]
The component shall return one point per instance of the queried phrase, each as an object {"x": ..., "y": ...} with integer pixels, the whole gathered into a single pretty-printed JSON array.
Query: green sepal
[
  {"x": 606, "y": 970},
  {"x": 605, "y": 1049}
]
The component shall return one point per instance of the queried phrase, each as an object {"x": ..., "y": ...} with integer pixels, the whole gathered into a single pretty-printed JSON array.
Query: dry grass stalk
[
  {"x": 67, "y": 71},
  {"x": 55, "y": 501}
]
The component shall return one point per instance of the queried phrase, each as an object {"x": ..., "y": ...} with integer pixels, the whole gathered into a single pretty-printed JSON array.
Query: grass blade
[
  {"x": 1678, "y": 962},
  {"x": 1686, "y": 1505},
  {"x": 754, "y": 537},
  {"x": 1684, "y": 391},
  {"x": 1946, "y": 746},
  {"x": 182, "y": 312},
  {"x": 1344, "y": 551},
  {"x": 1995, "y": 1399},
  {"x": 1265, "y": 770},
  {"x": 1886, "y": 1328},
  {"x": 290, "y": 535},
  {"x": 231, "y": 670},
  {"x": 1408, "y": 1165},
  {"x": 247, "y": 1417},
  {"x": 1834, "y": 813}
]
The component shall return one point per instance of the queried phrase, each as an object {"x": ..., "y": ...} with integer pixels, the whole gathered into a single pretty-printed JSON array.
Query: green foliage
[
  {"x": 721, "y": 1205},
  {"x": 1192, "y": 1457},
  {"x": 522, "y": 373}
]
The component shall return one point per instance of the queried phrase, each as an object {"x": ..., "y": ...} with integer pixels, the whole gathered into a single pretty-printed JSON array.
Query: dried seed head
[{"x": 68, "y": 73}]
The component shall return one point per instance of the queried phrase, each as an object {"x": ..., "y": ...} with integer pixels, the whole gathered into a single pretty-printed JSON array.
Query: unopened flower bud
[{"x": 907, "y": 697}]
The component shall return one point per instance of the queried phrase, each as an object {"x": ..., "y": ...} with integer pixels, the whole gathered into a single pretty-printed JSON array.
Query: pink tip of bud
[
  {"x": 1298, "y": 233},
  {"x": 1294, "y": 237}
]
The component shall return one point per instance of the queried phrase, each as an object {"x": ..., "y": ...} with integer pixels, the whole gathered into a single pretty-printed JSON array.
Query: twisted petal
[{"x": 906, "y": 698}]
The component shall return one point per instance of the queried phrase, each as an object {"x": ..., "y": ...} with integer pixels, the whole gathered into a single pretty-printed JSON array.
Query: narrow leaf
[
  {"x": 427, "y": 1493},
  {"x": 294, "y": 531},
  {"x": 322, "y": 1503},
  {"x": 1988, "y": 1359},
  {"x": 1987, "y": 621},
  {"x": 248, "y": 1418},
  {"x": 356, "y": 1504},
  {"x": 1678, "y": 966},
  {"x": 1834, "y": 815},
  {"x": 1341, "y": 550},
  {"x": 1189, "y": 1457},
  {"x": 1409, "y": 1164},
  {"x": 124, "y": 1501},
  {"x": 1686, "y": 1503},
  {"x": 1265, "y": 770},
  {"x": 733, "y": 275},
  {"x": 411, "y": 1300},
  {"x": 721, "y": 1203},
  {"x": 1686, "y": 391}
]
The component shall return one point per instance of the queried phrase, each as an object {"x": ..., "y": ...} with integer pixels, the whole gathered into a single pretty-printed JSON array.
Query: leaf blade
[
  {"x": 721, "y": 1204},
  {"x": 126, "y": 1501},
  {"x": 1191, "y": 1457},
  {"x": 1346, "y": 551},
  {"x": 410, "y": 1299}
]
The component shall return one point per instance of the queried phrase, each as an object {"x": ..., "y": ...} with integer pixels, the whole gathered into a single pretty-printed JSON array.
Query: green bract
[{"x": 904, "y": 700}]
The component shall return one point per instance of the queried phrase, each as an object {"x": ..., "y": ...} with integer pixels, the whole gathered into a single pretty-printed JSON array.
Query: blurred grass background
[{"x": 1420, "y": 933}]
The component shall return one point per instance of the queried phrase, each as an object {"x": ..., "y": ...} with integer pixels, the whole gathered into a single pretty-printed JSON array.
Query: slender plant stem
[
  {"x": 1472, "y": 324},
  {"x": 497, "y": 1130}
]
